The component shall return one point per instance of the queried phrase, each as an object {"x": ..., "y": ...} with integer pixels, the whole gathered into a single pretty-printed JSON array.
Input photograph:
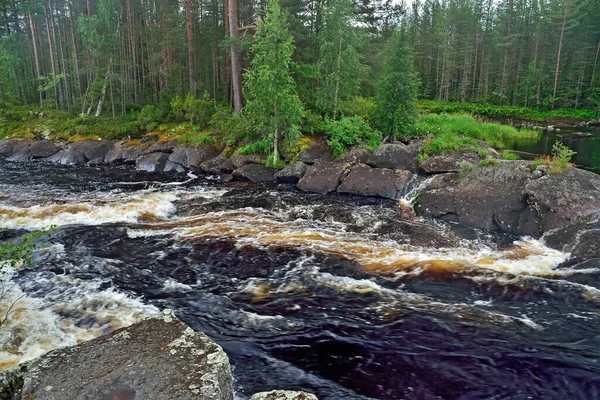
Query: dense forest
[{"x": 86, "y": 56}]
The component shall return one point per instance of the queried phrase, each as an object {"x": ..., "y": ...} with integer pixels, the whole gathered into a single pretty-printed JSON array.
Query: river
[{"x": 348, "y": 298}]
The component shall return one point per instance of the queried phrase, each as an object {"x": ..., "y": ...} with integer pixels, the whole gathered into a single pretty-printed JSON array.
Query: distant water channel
[{"x": 348, "y": 298}]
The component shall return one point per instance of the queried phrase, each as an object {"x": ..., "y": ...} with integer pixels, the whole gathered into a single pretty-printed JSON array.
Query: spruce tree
[
  {"x": 339, "y": 62},
  {"x": 397, "y": 91},
  {"x": 273, "y": 104}
]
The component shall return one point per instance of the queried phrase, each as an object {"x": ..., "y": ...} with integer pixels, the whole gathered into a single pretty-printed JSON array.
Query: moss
[{"x": 488, "y": 162}]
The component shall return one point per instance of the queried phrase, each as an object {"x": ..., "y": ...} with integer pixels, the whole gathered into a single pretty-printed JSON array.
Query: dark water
[
  {"x": 584, "y": 140},
  {"x": 344, "y": 297}
]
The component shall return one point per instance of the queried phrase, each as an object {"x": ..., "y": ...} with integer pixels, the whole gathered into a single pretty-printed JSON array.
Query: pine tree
[
  {"x": 397, "y": 92},
  {"x": 339, "y": 61},
  {"x": 273, "y": 104}
]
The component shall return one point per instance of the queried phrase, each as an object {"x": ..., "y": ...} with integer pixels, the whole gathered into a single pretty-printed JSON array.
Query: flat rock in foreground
[{"x": 160, "y": 358}]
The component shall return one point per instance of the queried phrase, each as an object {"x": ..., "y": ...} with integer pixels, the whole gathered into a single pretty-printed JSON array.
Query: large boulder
[
  {"x": 357, "y": 155},
  {"x": 43, "y": 148},
  {"x": 72, "y": 157},
  {"x": 6, "y": 147},
  {"x": 93, "y": 149},
  {"x": 283, "y": 395},
  {"x": 196, "y": 155},
  {"x": 153, "y": 162},
  {"x": 292, "y": 173},
  {"x": 166, "y": 146},
  {"x": 212, "y": 165},
  {"x": 20, "y": 152},
  {"x": 449, "y": 161},
  {"x": 581, "y": 240},
  {"x": 565, "y": 198},
  {"x": 318, "y": 152},
  {"x": 179, "y": 156},
  {"x": 132, "y": 153},
  {"x": 116, "y": 153},
  {"x": 381, "y": 182},
  {"x": 323, "y": 177},
  {"x": 159, "y": 358},
  {"x": 254, "y": 173},
  {"x": 489, "y": 198},
  {"x": 395, "y": 156}
]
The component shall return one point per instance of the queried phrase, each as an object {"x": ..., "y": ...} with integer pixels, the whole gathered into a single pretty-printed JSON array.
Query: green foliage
[
  {"x": 559, "y": 161},
  {"x": 228, "y": 127},
  {"x": 13, "y": 254},
  {"x": 508, "y": 155},
  {"x": 312, "y": 123},
  {"x": 397, "y": 91},
  {"x": 365, "y": 107},
  {"x": 197, "y": 111},
  {"x": 273, "y": 104},
  {"x": 487, "y": 162},
  {"x": 150, "y": 117},
  {"x": 339, "y": 64},
  {"x": 259, "y": 147},
  {"x": 350, "y": 131},
  {"x": 449, "y": 142},
  {"x": 190, "y": 134}
]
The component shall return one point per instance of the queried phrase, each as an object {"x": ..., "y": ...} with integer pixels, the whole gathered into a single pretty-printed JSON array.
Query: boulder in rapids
[
  {"x": 93, "y": 148},
  {"x": 43, "y": 148},
  {"x": 20, "y": 152},
  {"x": 72, "y": 157},
  {"x": 160, "y": 358},
  {"x": 6, "y": 147},
  {"x": 565, "y": 198},
  {"x": 581, "y": 240},
  {"x": 179, "y": 156},
  {"x": 54, "y": 158},
  {"x": 132, "y": 153},
  {"x": 254, "y": 173},
  {"x": 381, "y": 182},
  {"x": 292, "y": 173},
  {"x": 153, "y": 162},
  {"x": 449, "y": 161},
  {"x": 283, "y": 395},
  {"x": 395, "y": 156},
  {"x": 323, "y": 177},
  {"x": 489, "y": 198}
]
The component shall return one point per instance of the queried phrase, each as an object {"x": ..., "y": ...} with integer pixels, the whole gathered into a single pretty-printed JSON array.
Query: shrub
[
  {"x": 350, "y": 131},
  {"x": 149, "y": 117},
  {"x": 360, "y": 107},
  {"x": 507, "y": 155},
  {"x": 560, "y": 160},
  {"x": 230, "y": 128},
  {"x": 488, "y": 162}
]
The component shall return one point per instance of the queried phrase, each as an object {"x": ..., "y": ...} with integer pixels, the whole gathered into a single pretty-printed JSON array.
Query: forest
[{"x": 149, "y": 62}]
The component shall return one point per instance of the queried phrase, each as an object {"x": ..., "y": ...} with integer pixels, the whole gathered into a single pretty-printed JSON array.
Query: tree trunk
[
  {"x": 189, "y": 24},
  {"x": 506, "y": 46},
  {"x": 595, "y": 64},
  {"x": 236, "y": 58},
  {"x": 337, "y": 79},
  {"x": 557, "y": 70},
  {"x": 52, "y": 61},
  {"x": 103, "y": 95},
  {"x": 35, "y": 52}
]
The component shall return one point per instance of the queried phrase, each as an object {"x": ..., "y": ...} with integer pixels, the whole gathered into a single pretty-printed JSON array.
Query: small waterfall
[{"x": 414, "y": 187}]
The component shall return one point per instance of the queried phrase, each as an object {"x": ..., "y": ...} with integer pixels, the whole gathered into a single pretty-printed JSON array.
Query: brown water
[{"x": 345, "y": 297}]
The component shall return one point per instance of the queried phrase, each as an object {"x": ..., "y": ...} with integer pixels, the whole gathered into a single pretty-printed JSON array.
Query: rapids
[{"x": 348, "y": 298}]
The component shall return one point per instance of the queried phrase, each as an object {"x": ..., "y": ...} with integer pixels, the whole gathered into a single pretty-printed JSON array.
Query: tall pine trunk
[
  {"x": 560, "y": 43},
  {"x": 236, "y": 57}
]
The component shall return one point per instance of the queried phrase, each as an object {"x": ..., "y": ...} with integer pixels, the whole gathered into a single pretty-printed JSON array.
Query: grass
[
  {"x": 559, "y": 161},
  {"x": 508, "y": 155},
  {"x": 488, "y": 162},
  {"x": 512, "y": 112}
]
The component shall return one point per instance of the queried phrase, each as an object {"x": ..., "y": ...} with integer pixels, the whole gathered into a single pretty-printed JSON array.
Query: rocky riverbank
[{"x": 507, "y": 196}]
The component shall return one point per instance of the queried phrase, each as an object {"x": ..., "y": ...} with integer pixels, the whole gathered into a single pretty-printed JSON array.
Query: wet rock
[
  {"x": 6, "y": 147},
  {"x": 581, "y": 240},
  {"x": 95, "y": 162},
  {"x": 43, "y": 148},
  {"x": 55, "y": 158},
  {"x": 254, "y": 173},
  {"x": 131, "y": 153},
  {"x": 72, "y": 157},
  {"x": 319, "y": 152},
  {"x": 211, "y": 166},
  {"x": 179, "y": 156},
  {"x": 163, "y": 147},
  {"x": 196, "y": 155},
  {"x": 93, "y": 148},
  {"x": 20, "y": 152},
  {"x": 240, "y": 160},
  {"x": 449, "y": 161},
  {"x": 379, "y": 182},
  {"x": 292, "y": 173},
  {"x": 565, "y": 198},
  {"x": 116, "y": 153},
  {"x": 283, "y": 395},
  {"x": 323, "y": 177},
  {"x": 171, "y": 166},
  {"x": 159, "y": 358},
  {"x": 153, "y": 162},
  {"x": 357, "y": 155},
  {"x": 489, "y": 198},
  {"x": 226, "y": 167},
  {"x": 395, "y": 156}
]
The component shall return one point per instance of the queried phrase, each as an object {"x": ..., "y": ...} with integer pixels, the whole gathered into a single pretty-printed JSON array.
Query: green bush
[
  {"x": 149, "y": 117},
  {"x": 560, "y": 160},
  {"x": 507, "y": 155},
  {"x": 360, "y": 107},
  {"x": 449, "y": 142},
  {"x": 350, "y": 131},
  {"x": 230, "y": 128}
]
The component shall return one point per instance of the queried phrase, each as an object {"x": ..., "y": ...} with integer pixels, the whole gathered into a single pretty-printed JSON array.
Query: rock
[
  {"x": 226, "y": 167},
  {"x": 565, "y": 198},
  {"x": 254, "y": 173},
  {"x": 153, "y": 162},
  {"x": 6, "y": 147},
  {"x": 116, "y": 153},
  {"x": 581, "y": 240},
  {"x": 149, "y": 139},
  {"x": 131, "y": 153},
  {"x": 395, "y": 156},
  {"x": 20, "y": 152},
  {"x": 43, "y": 148},
  {"x": 357, "y": 155},
  {"x": 72, "y": 157},
  {"x": 162, "y": 147},
  {"x": 95, "y": 162},
  {"x": 179, "y": 156},
  {"x": 196, "y": 155},
  {"x": 211, "y": 165},
  {"x": 159, "y": 358},
  {"x": 380, "y": 182},
  {"x": 317, "y": 153},
  {"x": 449, "y": 161},
  {"x": 240, "y": 160},
  {"x": 323, "y": 177},
  {"x": 489, "y": 198},
  {"x": 93, "y": 148},
  {"x": 283, "y": 395},
  {"x": 55, "y": 158},
  {"x": 292, "y": 173},
  {"x": 171, "y": 166}
]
